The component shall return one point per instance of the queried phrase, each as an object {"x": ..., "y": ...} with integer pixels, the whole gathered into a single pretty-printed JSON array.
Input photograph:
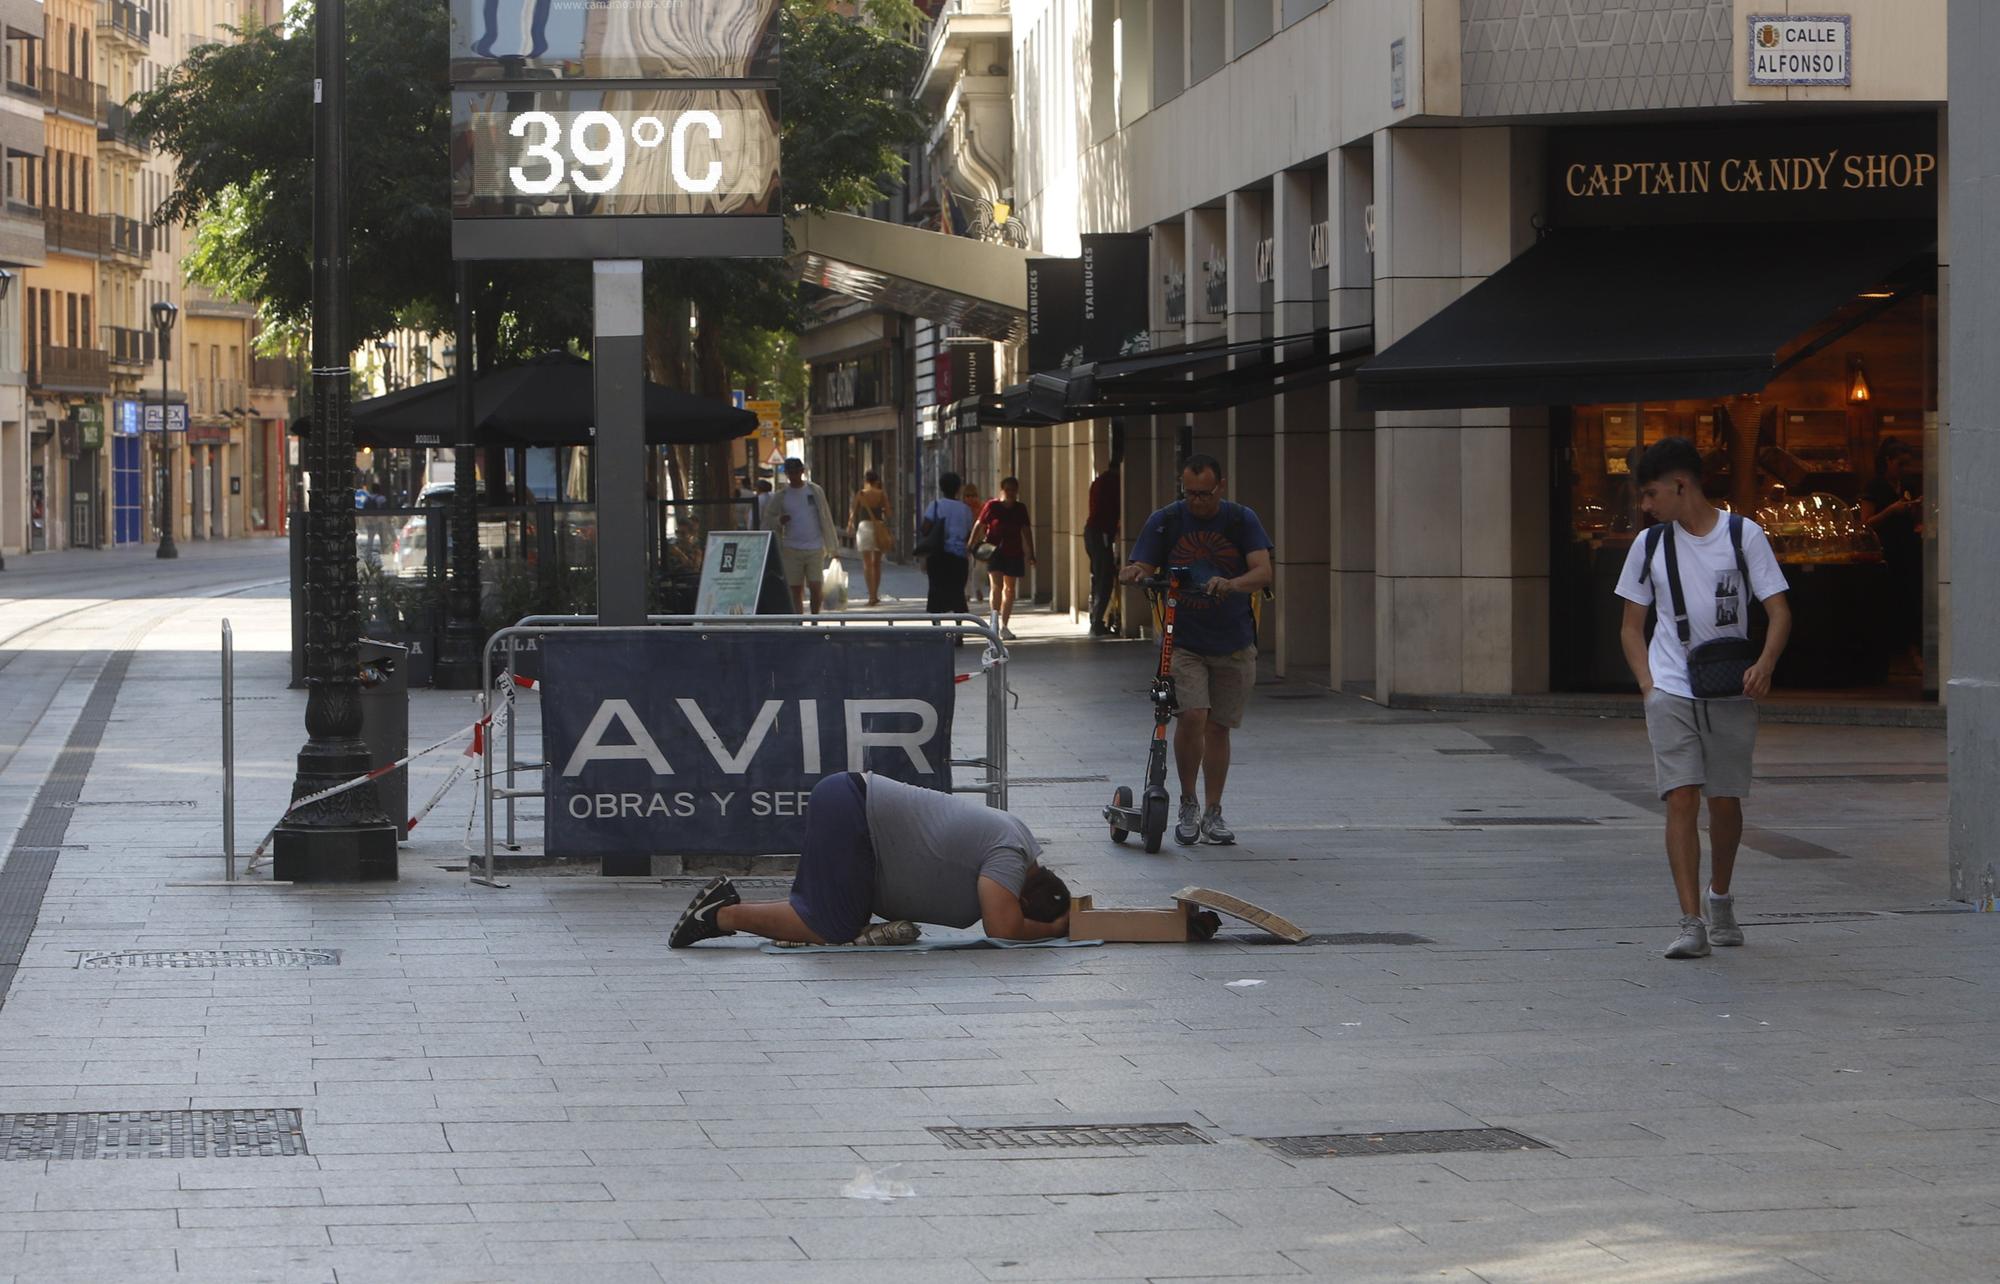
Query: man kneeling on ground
[{"x": 878, "y": 846}]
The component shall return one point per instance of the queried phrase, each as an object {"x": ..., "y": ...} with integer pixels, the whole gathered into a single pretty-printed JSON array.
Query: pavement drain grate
[
  {"x": 152, "y": 1134},
  {"x": 185, "y": 959},
  {"x": 1470, "y": 753},
  {"x": 1062, "y": 1136},
  {"x": 139, "y": 802},
  {"x": 1441, "y": 1141},
  {"x": 1056, "y": 780},
  {"x": 1484, "y": 821}
]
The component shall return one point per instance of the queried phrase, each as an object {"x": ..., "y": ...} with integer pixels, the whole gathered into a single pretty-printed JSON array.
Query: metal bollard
[{"x": 228, "y": 753}]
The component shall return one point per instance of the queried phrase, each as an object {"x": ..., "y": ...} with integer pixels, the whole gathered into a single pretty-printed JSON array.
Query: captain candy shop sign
[
  {"x": 1830, "y": 168},
  {"x": 678, "y": 741}
]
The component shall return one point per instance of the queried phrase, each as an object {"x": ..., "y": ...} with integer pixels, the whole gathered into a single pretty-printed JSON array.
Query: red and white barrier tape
[{"x": 487, "y": 725}]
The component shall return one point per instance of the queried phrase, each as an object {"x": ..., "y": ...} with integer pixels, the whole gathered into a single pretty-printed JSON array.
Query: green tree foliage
[{"x": 238, "y": 120}]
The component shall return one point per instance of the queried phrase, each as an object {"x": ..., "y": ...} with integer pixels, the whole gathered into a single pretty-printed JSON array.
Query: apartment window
[
  {"x": 69, "y": 309},
  {"x": 87, "y": 332}
]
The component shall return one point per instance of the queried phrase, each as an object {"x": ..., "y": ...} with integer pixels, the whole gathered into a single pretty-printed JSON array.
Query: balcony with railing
[
  {"x": 69, "y": 369},
  {"x": 127, "y": 238},
  {"x": 123, "y": 20},
  {"x": 129, "y": 348},
  {"x": 958, "y": 24},
  {"x": 68, "y": 232},
  {"x": 218, "y": 398},
  {"x": 71, "y": 95},
  {"x": 115, "y": 124},
  {"x": 275, "y": 372}
]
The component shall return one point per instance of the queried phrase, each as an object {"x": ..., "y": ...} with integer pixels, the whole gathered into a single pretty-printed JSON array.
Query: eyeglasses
[{"x": 1210, "y": 493}]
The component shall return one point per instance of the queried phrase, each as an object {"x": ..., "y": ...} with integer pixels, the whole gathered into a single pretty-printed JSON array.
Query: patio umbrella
[{"x": 544, "y": 402}]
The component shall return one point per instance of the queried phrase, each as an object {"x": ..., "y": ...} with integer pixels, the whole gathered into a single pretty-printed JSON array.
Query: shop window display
[{"x": 1830, "y": 459}]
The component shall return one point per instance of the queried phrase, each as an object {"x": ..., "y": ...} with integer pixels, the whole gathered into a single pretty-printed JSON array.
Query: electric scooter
[{"x": 1149, "y": 818}]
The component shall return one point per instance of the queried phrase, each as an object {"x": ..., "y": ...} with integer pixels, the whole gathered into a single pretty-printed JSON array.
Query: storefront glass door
[{"x": 126, "y": 502}]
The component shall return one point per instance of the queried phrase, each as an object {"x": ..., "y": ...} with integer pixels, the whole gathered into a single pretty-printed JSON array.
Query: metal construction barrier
[{"x": 498, "y": 781}]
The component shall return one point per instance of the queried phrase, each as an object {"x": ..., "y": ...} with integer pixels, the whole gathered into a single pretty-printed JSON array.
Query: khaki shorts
[
  {"x": 1217, "y": 683},
  {"x": 1702, "y": 742},
  {"x": 803, "y": 565}
]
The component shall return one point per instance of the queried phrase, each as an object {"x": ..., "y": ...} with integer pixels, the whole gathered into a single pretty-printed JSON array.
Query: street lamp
[{"x": 164, "y": 316}]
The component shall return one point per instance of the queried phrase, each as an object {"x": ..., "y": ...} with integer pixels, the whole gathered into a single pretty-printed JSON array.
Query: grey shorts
[{"x": 1702, "y": 742}]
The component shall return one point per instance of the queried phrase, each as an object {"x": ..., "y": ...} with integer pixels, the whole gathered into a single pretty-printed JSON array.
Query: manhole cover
[
  {"x": 1442, "y": 1141},
  {"x": 1070, "y": 1135},
  {"x": 213, "y": 958},
  {"x": 1482, "y": 822},
  {"x": 1372, "y": 938},
  {"x": 152, "y": 1134}
]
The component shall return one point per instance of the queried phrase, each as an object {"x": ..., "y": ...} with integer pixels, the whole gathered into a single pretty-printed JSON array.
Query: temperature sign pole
[{"x": 616, "y": 133}]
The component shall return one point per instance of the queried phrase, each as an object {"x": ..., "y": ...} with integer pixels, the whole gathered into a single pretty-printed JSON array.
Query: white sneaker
[
  {"x": 1007, "y": 634},
  {"x": 1723, "y": 928},
  {"x": 1692, "y": 943}
]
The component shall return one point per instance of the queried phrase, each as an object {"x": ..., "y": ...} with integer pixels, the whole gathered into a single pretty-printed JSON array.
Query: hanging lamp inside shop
[{"x": 1857, "y": 387}]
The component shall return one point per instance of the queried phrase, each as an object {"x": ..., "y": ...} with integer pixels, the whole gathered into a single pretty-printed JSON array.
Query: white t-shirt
[
  {"x": 1709, "y": 584},
  {"x": 803, "y": 533}
]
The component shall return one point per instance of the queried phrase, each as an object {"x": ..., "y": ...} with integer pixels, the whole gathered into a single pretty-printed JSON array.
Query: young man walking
[
  {"x": 1698, "y": 569},
  {"x": 1228, "y": 556},
  {"x": 1100, "y": 534},
  {"x": 798, "y": 515}
]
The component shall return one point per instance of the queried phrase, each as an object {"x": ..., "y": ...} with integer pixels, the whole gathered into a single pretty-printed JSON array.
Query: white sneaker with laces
[
  {"x": 1692, "y": 943},
  {"x": 1723, "y": 928}
]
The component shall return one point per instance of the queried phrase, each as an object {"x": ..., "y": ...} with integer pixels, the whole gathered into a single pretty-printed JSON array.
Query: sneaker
[
  {"x": 698, "y": 920},
  {"x": 1188, "y": 832},
  {"x": 1214, "y": 829},
  {"x": 1007, "y": 634},
  {"x": 1692, "y": 943},
  {"x": 898, "y": 932},
  {"x": 1723, "y": 928}
]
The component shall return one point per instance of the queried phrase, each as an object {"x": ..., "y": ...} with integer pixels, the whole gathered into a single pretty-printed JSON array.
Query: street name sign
[{"x": 1801, "y": 49}]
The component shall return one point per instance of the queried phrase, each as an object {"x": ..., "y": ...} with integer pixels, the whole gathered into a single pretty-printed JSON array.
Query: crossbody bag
[{"x": 1717, "y": 666}]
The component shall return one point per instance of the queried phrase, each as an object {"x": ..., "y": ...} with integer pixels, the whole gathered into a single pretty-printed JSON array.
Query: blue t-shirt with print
[
  {"x": 1218, "y": 546},
  {"x": 957, "y": 519}
]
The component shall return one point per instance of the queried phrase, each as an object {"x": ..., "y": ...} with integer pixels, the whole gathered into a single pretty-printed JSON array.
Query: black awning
[
  {"x": 1184, "y": 379},
  {"x": 1638, "y": 314}
]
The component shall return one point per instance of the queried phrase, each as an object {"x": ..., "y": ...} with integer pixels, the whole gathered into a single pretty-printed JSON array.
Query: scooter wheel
[
  {"x": 1121, "y": 797},
  {"x": 1154, "y": 823}
]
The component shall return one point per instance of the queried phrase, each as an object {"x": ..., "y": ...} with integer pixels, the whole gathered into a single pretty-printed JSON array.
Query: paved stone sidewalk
[{"x": 527, "y": 1085}]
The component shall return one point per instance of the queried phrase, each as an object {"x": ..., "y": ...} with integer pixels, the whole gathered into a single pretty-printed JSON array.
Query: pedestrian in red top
[
  {"x": 1100, "y": 537},
  {"x": 1005, "y": 522}
]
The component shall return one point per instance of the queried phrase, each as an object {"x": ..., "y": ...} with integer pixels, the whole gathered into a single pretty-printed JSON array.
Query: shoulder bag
[
  {"x": 930, "y": 542},
  {"x": 1716, "y": 667}
]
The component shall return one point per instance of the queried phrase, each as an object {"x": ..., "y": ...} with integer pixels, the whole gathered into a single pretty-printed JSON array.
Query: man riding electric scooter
[{"x": 1227, "y": 554}]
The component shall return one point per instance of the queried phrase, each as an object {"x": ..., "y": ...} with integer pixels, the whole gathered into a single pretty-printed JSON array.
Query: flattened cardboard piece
[
  {"x": 1255, "y": 915},
  {"x": 1126, "y": 926}
]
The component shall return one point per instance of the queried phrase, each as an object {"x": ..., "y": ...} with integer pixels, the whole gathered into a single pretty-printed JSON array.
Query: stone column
[
  {"x": 1208, "y": 260},
  {"x": 1298, "y": 522},
  {"x": 1351, "y": 445},
  {"x": 1970, "y": 612},
  {"x": 1251, "y": 478},
  {"x": 1461, "y": 495}
]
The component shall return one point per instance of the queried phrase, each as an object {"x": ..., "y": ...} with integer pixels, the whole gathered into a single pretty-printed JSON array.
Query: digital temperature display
[{"x": 556, "y": 153}]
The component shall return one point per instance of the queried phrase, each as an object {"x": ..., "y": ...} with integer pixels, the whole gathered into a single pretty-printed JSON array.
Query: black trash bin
[{"x": 385, "y": 724}]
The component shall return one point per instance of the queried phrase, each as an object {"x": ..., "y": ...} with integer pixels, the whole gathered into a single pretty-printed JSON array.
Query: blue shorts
[{"x": 834, "y": 890}]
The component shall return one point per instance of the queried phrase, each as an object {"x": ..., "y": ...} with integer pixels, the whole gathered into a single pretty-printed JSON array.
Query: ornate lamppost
[
  {"x": 458, "y": 665},
  {"x": 346, "y": 837},
  {"x": 164, "y": 316}
]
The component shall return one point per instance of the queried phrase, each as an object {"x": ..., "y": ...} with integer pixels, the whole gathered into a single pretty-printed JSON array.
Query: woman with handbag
[
  {"x": 1700, "y": 672},
  {"x": 941, "y": 536},
  {"x": 868, "y": 527},
  {"x": 1004, "y": 521}
]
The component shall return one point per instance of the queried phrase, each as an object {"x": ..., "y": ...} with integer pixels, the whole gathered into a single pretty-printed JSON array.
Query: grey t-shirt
[{"x": 931, "y": 849}]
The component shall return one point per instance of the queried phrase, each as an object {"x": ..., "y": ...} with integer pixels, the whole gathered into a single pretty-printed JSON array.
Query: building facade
[
  {"x": 79, "y": 467},
  {"x": 1474, "y": 256}
]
